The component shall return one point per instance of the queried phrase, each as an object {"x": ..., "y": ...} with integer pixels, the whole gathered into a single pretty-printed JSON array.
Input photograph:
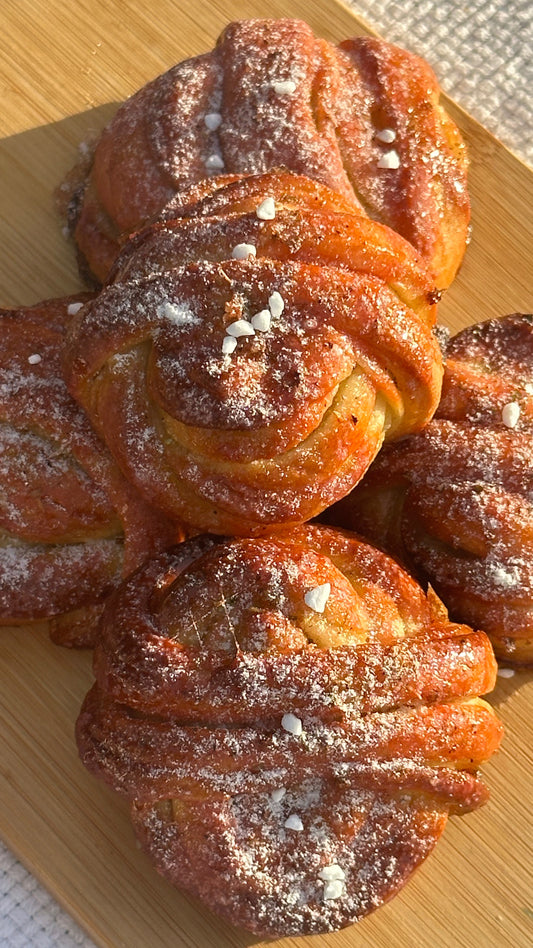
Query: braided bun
[
  {"x": 362, "y": 118},
  {"x": 454, "y": 501},
  {"x": 292, "y": 721}
]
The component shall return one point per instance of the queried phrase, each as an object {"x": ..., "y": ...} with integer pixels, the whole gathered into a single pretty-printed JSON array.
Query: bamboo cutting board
[{"x": 64, "y": 65}]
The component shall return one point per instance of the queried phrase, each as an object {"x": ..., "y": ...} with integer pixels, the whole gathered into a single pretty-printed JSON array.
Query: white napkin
[{"x": 481, "y": 52}]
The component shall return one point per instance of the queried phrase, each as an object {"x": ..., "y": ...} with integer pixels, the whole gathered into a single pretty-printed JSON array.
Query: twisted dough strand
[
  {"x": 69, "y": 522},
  {"x": 288, "y": 422},
  {"x": 220, "y": 694},
  {"x": 454, "y": 501},
  {"x": 284, "y": 99}
]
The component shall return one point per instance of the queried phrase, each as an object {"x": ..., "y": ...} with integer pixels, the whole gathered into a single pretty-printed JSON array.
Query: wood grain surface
[{"x": 64, "y": 66}]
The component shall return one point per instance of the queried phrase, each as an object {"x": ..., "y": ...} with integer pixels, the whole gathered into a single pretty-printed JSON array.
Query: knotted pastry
[
  {"x": 243, "y": 371},
  {"x": 362, "y": 117},
  {"x": 455, "y": 501},
  {"x": 64, "y": 506},
  {"x": 292, "y": 721}
]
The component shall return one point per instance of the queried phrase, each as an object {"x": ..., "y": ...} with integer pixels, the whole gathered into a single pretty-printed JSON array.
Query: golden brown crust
[
  {"x": 286, "y": 100},
  {"x": 64, "y": 506},
  {"x": 455, "y": 500},
  {"x": 312, "y": 224},
  {"x": 203, "y": 845},
  {"x": 426, "y": 200},
  {"x": 279, "y": 428},
  {"x": 203, "y": 654}
]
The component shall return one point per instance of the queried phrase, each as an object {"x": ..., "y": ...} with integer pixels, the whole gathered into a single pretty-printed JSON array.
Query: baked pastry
[
  {"x": 363, "y": 118},
  {"x": 243, "y": 371},
  {"x": 455, "y": 501},
  {"x": 292, "y": 721},
  {"x": 64, "y": 506}
]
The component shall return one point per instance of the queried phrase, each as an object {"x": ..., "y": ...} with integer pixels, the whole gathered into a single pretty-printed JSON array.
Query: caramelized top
[
  {"x": 63, "y": 503},
  {"x": 213, "y": 610},
  {"x": 245, "y": 371},
  {"x": 363, "y": 118},
  {"x": 274, "y": 707},
  {"x": 456, "y": 499}
]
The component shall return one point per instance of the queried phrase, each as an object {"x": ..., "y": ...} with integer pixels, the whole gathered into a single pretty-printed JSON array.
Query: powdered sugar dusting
[
  {"x": 44, "y": 580},
  {"x": 279, "y": 831},
  {"x": 274, "y": 881},
  {"x": 467, "y": 511},
  {"x": 61, "y": 544},
  {"x": 304, "y": 105},
  {"x": 288, "y": 392}
]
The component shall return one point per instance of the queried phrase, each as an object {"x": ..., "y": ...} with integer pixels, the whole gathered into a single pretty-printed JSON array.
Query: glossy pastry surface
[
  {"x": 292, "y": 721},
  {"x": 245, "y": 372},
  {"x": 454, "y": 501},
  {"x": 363, "y": 118},
  {"x": 63, "y": 503}
]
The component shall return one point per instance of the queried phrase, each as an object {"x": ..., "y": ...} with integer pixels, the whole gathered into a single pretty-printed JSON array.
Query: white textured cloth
[
  {"x": 482, "y": 53},
  {"x": 29, "y": 916}
]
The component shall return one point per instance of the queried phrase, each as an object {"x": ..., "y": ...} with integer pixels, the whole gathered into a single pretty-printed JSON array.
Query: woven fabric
[
  {"x": 482, "y": 53},
  {"x": 29, "y": 916}
]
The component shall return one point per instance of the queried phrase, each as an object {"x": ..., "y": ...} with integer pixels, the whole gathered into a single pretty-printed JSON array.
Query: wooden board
[{"x": 64, "y": 65}]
